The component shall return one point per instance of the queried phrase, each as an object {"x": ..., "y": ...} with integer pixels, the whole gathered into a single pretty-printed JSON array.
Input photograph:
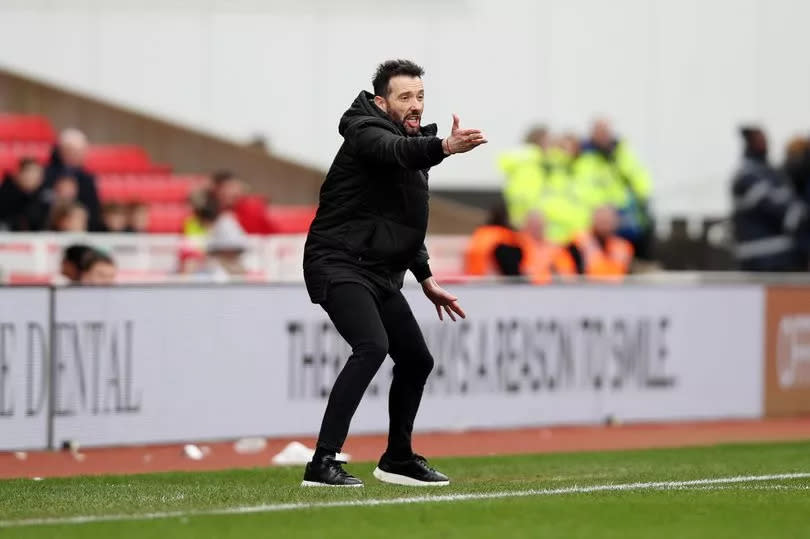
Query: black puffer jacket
[{"x": 373, "y": 212}]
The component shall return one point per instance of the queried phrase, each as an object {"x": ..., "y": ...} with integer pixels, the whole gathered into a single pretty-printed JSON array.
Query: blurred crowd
[
  {"x": 62, "y": 196},
  {"x": 570, "y": 206},
  {"x": 771, "y": 205}
]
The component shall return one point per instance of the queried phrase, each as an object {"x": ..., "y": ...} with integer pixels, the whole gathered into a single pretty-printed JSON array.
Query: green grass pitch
[{"x": 627, "y": 494}]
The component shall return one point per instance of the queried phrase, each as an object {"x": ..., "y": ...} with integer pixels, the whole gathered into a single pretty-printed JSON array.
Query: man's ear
[{"x": 380, "y": 102}]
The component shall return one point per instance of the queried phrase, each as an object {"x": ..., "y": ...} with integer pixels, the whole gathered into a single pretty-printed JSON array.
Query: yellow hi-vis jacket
[{"x": 607, "y": 181}]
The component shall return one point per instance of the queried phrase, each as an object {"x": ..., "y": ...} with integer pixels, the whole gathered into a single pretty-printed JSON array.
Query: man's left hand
[{"x": 442, "y": 299}]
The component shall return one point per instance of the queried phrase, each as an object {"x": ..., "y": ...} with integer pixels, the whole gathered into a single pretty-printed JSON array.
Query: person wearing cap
[{"x": 770, "y": 221}]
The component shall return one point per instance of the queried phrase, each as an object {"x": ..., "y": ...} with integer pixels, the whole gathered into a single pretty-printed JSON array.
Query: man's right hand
[{"x": 462, "y": 140}]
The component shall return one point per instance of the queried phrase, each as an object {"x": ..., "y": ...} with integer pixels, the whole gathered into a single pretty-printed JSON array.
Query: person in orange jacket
[
  {"x": 498, "y": 249},
  {"x": 600, "y": 253}
]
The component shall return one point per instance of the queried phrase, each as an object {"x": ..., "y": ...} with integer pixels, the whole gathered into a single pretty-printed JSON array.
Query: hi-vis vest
[
  {"x": 613, "y": 261},
  {"x": 544, "y": 181},
  {"x": 525, "y": 177},
  {"x": 539, "y": 261},
  {"x": 607, "y": 179}
]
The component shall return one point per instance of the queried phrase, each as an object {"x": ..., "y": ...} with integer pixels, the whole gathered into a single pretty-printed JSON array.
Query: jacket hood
[{"x": 364, "y": 110}]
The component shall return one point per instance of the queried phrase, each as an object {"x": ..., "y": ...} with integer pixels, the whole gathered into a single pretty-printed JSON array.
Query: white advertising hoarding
[
  {"x": 24, "y": 321},
  {"x": 136, "y": 365}
]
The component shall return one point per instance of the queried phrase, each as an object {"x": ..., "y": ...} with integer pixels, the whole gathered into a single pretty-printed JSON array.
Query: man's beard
[
  {"x": 411, "y": 130},
  {"x": 416, "y": 119}
]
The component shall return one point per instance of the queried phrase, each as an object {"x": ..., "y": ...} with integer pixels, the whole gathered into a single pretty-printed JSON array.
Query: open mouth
[{"x": 412, "y": 121}]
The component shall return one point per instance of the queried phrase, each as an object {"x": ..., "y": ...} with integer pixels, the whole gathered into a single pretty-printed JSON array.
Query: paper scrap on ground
[{"x": 298, "y": 453}]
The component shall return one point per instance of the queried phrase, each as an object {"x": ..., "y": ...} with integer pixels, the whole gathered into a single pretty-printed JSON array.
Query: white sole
[
  {"x": 404, "y": 480},
  {"x": 316, "y": 484}
]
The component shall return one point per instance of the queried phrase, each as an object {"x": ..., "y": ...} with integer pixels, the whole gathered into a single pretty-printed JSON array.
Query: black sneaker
[
  {"x": 328, "y": 472},
  {"x": 413, "y": 472}
]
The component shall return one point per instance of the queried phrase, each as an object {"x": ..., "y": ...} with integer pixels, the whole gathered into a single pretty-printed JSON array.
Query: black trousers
[{"x": 374, "y": 327}]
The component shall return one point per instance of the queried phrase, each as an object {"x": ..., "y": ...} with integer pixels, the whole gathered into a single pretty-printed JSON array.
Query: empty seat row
[
  {"x": 167, "y": 218},
  {"x": 25, "y": 127},
  {"x": 159, "y": 188},
  {"x": 121, "y": 158}
]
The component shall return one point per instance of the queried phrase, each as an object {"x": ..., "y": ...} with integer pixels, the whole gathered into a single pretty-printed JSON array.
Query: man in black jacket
[
  {"x": 369, "y": 230},
  {"x": 67, "y": 159},
  {"x": 771, "y": 223}
]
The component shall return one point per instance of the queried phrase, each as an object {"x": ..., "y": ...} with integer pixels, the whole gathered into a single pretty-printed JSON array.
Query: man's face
[
  {"x": 535, "y": 226},
  {"x": 75, "y": 221},
  {"x": 115, "y": 220},
  {"x": 66, "y": 189},
  {"x": 602, "y": 134},
  {"x": 73, "y": 152},
  {"x": 101, "y": 273},
  {"x": 605, "y": 222},
  {"x": 405, "y": 102},
  {"x": 30, "y": 178},
  {"x": 228, "y": 193},
  {"x": 139, "y": 218}
]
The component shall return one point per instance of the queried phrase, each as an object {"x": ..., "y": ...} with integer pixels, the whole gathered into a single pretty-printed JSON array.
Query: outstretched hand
[
  {"x": 463, "y": 140},
  {"x": 442, "y": 299}
]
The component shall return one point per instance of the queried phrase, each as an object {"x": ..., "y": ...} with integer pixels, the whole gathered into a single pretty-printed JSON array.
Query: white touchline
[{"x": 269, "y": 508}]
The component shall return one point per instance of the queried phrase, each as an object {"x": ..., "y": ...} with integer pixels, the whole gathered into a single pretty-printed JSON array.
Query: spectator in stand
[
  {"x": 226, "y": 245},
  {"x": 22, "y": 207},
  {"x": 68, "y": 159},
  {"x": 614, "y": 176},
  {"x": 71, "y": 260},
  {"x": 526, "y": 171},
  {"x": 115, "y": 218},
  {"x": 68, "y": 217},
  {"x": 250, "y": 211},
  {"x": 564, "y": 208},
  {"x": 65, "y": 189},
  {"x": 138, "y": 218},
  {"x": 202, "y": 218},
  {"x": 600, "y": 253},
  {"x": 770, "y": 220},
  {"x": 498, "y": 249},
  {"x": 97, "y": 268}
]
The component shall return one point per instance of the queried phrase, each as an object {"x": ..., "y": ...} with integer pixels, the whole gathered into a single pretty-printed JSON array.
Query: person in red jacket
[{"x": 250, "y": 210}]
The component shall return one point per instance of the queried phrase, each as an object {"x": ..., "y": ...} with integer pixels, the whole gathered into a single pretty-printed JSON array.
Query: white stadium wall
[
  {"x": 676, "y": 76},
  {"x": 172, "y": 363}
]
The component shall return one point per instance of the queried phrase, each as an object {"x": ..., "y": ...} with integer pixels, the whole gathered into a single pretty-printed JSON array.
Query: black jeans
[{"x": 374, "y": 328}]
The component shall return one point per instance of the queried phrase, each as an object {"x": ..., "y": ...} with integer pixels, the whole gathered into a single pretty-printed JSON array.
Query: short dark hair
[
  {"x": 112, "y": 207},
  {"x": 393, "y": 68},
  {"x": 91, "y": 258},
  {"x": 62, "y": 209},
  {"x": 74, "y": 253},
  {"x": 26, "y": 162}
]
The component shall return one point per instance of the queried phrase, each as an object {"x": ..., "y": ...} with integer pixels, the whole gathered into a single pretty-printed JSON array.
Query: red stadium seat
[
  {"x": 21, "y": 127},
  {"x": 167, "y": 218},
  {"x": 291, "y": 219}
]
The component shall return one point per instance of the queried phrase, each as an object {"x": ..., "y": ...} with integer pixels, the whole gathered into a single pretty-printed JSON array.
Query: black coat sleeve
[
  {"x": 773, "y": 201},
  {"x": 88, "y": 196},
  {"x": 378, "y": 145},
  {"x": 419, "y": 266}
]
